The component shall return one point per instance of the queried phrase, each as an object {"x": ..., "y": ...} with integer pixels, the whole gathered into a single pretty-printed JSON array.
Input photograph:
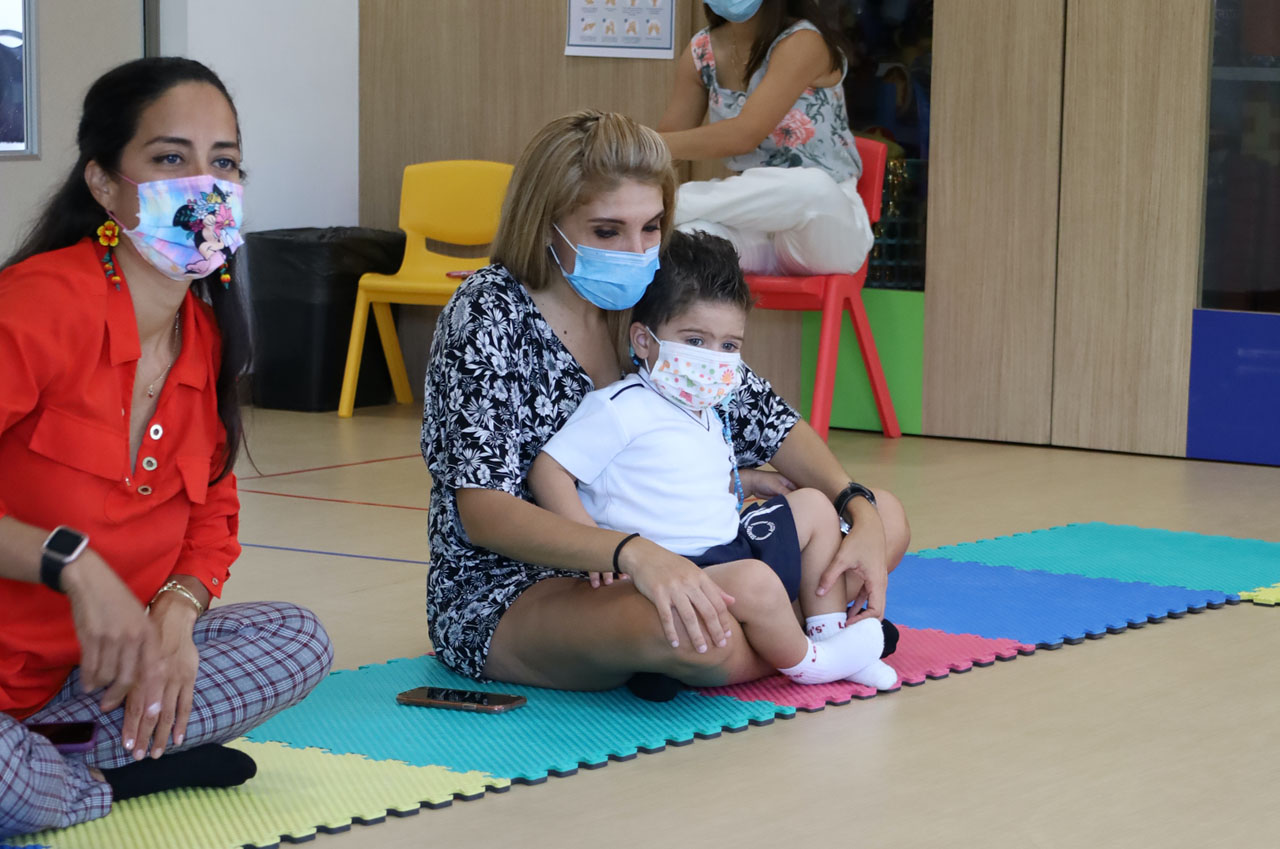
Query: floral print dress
[
  {"x": 814, "y": 134},
  {"x": 499, "y": 384}
]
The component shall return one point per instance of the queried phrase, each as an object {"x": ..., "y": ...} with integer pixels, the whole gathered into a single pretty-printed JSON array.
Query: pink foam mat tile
[{"x": 923, "y": 653}]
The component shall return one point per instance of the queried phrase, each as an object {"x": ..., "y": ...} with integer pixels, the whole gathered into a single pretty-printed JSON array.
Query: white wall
[
  {"x": 292, "y": 67},
  {"x": 74, "y": 47}
]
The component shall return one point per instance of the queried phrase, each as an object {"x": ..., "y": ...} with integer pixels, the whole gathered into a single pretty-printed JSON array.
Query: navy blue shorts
[{"x": 766, "y": 531}]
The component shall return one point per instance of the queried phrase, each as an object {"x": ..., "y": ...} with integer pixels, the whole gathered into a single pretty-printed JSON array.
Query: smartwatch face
[{"x": 65, "y": 543}]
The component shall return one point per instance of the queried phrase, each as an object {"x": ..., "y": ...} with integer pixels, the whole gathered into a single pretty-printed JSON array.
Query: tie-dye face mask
[{"x": 188, "y": 226}]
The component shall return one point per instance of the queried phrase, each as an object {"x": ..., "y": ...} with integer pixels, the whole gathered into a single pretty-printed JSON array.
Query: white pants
[{"x": 792, "y": 221}]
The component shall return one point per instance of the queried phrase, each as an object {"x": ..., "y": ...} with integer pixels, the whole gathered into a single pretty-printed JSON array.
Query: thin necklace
[
  {"x": 737, "y": 61},
  {"x": 177, "y": 346}
]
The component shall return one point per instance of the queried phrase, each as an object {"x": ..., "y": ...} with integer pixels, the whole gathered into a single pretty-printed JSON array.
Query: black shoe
[
  {"x": 890, "y": 638},
  {"x": 654, "y": 686}
]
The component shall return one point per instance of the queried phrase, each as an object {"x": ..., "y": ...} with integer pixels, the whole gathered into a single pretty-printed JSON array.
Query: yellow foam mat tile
[
  {"x": 1263, "y": 595},
  {"x": 295, "y": 793}
]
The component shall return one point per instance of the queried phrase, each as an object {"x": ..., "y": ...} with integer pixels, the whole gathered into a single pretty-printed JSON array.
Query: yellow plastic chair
[{"x": 454, "y": 201}]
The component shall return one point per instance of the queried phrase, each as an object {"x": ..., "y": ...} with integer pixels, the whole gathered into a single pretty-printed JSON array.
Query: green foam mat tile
[
  {"x": 1127, "y": 553},
  {"x": 296, "y": 793},
  {"x": 355, "y": 710},
  {"x": 1269, "y": 596}
]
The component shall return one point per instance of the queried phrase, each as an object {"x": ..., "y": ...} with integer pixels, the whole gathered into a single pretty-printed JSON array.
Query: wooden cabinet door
[
  {"x": 993, "y": 218},
  {"x": 1135, "y": 100}
]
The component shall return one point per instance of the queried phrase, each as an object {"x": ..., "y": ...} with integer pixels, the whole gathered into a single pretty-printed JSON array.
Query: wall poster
[{"x": 633, "y": 29}]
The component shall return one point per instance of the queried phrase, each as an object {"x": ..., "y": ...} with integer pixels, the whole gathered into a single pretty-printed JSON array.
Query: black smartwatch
[
  {"x": 850, "y": 492},
  {"x": 62, "y": 547}
]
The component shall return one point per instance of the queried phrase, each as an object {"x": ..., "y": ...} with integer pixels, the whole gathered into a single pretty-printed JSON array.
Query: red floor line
[
  {"x": 334, "y": 500},
  {"x": 334, "y": 466}
]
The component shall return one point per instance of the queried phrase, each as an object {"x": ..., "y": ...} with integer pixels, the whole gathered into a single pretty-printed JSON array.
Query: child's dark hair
[{"x": 694, "y": 267}]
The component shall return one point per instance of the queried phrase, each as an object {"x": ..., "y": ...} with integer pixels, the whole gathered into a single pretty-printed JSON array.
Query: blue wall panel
[{"x": 1234, "y": 409}]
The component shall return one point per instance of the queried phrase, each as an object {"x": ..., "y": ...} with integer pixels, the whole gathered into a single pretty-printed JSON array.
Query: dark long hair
[
  {"x": 112, "y": 110},
  {"x": 776, "y": 16}
]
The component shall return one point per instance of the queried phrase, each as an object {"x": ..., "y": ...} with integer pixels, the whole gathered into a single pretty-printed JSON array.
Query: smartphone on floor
[
  {"x": 68, "y": 737},
  {"x": 450, "y": 699}
]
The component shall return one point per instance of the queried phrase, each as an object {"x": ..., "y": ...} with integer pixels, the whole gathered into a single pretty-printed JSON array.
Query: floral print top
[
  {"x": 814, "y": 134},
  {"x": 499, "y": 384}
]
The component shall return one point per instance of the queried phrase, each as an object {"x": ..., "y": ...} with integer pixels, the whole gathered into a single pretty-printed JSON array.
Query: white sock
[
  {"x": 852, "y": 649},
  {"x": 824, "y": 626},
  {"x": 876, "y": 674}
]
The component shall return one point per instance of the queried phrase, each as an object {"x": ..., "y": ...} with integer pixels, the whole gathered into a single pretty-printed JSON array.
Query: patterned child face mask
[
  {"x": 692, "y": 377},
  {"x": 187, "y": 226}
]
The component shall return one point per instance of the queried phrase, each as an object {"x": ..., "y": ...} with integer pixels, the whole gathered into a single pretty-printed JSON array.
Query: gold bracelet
[{"x": 175, "y": 587}]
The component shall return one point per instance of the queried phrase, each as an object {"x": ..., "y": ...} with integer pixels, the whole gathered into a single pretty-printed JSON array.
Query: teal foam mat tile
[
  {"x": 355, "y": 711},
  {"x": 1127, "y": 553}
]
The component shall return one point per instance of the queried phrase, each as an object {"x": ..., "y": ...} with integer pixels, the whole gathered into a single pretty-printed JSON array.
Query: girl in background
[{"x": 770, "y": 74}]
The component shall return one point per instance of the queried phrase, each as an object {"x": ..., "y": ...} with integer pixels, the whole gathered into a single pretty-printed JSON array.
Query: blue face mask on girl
[
  {"x": 612, "y": 280},
  {"x": 735, "y": 10}
]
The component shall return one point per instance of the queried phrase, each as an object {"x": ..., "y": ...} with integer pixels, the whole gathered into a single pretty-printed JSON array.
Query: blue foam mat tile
[
  {"x": 1128, "y": 553},
  {"x": 355, "y": 711},
  {"x": 1029, "y": 606}
]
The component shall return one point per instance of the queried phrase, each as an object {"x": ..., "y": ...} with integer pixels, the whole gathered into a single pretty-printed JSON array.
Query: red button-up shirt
[{"x": 68, "y": 353}]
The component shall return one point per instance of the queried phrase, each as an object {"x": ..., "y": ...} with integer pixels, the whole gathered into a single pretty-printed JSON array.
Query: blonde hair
[{"x": 569, "y": 162}]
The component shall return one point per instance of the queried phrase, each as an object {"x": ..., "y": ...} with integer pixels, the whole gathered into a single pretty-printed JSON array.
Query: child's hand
[
  {"x": 599, "y": 579},
  {"x": 759, "y": 483}
]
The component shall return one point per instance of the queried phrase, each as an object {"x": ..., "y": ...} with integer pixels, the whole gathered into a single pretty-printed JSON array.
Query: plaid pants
[{"x": 256, "y": 659}]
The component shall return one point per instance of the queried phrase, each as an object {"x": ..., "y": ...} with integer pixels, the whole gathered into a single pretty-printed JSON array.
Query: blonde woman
[{"x": 516, "y": 349}]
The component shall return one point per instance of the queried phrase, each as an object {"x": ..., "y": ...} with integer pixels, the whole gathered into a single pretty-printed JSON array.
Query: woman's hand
[
  {"x": 679, "y": 588},
  {"x": 863, "y": 554},
  {"x": 160, "y": 704},
  {"x": 759, "y": 483},
  {"x": 110, "y": 624}
]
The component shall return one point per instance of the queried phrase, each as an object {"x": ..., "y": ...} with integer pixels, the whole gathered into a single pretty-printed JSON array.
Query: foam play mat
[
  {"x": 355, "y": 711},
  {"x": 1127, "y": 553},
  {"x": 1270, "y": 596},
  {"x": 1030, "y": 606},
  {"x": 296, "y": 793},
  {"x": 922, "y": 654},
  {"x": 349, "y": 754}
]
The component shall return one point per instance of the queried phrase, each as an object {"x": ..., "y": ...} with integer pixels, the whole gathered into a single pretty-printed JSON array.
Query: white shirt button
[
  {"x": 156, "y": 431},
  {"x": 215, "y": 582},
  {"x": 144, "y": 490},
  {"x": 149, "y": 463}
]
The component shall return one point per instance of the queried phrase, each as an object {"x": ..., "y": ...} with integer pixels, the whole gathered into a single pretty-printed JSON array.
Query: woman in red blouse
[{"x": 121, "y": 339}]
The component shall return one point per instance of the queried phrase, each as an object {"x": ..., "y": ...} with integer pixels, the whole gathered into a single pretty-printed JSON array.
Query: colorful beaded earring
[
  {"x": 225, "y": 277},
  {"x": 109, "y": 237}
]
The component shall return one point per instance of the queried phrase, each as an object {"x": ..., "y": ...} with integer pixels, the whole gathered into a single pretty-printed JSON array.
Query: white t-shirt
[{"x": 645, "y": 465}]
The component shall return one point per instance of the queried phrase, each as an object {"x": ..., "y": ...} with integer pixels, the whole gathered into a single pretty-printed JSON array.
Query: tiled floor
[{"x": 1166, "y": 736}]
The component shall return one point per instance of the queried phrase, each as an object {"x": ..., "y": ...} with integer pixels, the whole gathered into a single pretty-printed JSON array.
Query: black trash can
[{"x": 303, "y": 290}]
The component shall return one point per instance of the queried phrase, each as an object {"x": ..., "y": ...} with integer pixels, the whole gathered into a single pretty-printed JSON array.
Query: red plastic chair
[{"x": 833, "y": 294}]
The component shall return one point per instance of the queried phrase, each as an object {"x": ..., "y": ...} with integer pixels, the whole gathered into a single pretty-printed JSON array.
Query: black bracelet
[
  {"x": 850, "y": 492},
  {"x": 618, "y": 551}
]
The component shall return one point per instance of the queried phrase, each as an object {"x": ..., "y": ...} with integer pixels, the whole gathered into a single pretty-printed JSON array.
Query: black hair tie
[{"x": 617, "y": 551}]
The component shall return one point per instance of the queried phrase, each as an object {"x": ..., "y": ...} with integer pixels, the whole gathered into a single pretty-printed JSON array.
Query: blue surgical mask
[
  {"x": 612, "y": 280},
  {"x": 735, "y": 10}
]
